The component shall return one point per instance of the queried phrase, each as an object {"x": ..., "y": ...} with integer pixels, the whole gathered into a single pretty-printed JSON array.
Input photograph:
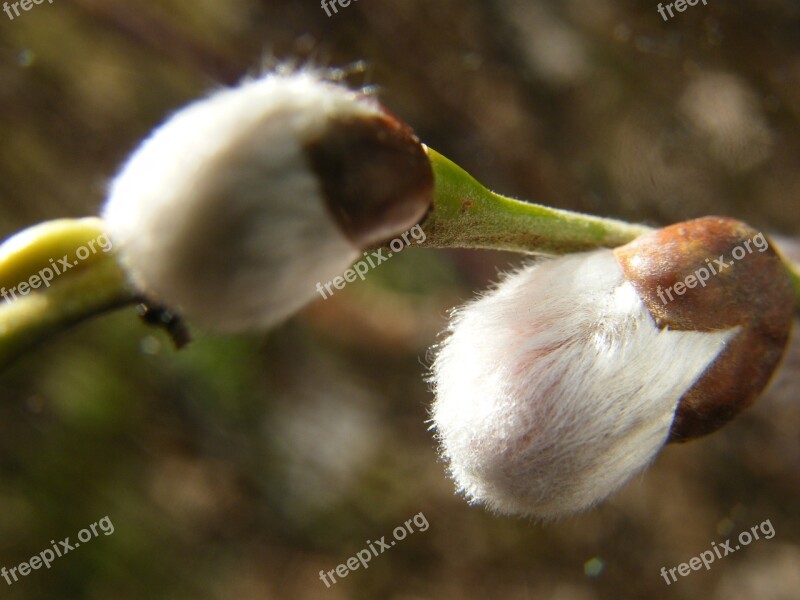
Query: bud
[
  {"x": 731, "y": 277},
  {"x": 565, "y": 380},
  {"x": 241, "y": 202}
]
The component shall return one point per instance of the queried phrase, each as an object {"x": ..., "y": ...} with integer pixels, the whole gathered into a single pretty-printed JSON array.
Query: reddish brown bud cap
[
  {"x": 375, "y": 175},
  {"x": 712, "y": 274}
]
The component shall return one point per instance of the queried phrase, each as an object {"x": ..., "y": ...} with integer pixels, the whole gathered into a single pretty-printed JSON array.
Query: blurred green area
[{"x": 242, "y": 466}]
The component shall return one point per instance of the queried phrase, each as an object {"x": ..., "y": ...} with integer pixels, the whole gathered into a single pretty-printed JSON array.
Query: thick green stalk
[
  {"x": 89, "y": 287},
  {"x": 467, "y": 215}
]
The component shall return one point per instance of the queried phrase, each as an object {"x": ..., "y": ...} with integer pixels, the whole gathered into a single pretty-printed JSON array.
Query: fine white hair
[
  {"x": 556, "y": 387},
  {"x": 219, "y": 214}
]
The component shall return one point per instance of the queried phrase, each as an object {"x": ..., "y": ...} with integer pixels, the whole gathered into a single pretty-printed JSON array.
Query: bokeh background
[{"x": 242, "y": 466}]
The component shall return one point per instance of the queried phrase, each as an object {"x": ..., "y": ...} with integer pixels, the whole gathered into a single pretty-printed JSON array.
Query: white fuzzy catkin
[
  {"x": 218, "y": 212},
  {"x": 556, "y": 387}
]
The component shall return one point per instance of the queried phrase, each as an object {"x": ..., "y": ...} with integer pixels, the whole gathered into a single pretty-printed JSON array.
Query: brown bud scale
[
  {"x": 375, "y": 175},
  {"x": 753, "y": 292}
]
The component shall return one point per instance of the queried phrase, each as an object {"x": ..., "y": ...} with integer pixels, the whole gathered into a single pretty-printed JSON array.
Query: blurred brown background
[{"x": 240, "y": 467}]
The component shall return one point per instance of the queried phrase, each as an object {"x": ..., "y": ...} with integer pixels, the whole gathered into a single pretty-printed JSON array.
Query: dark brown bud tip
[
  {"x": 713, "y": 274},
  {"x": 375, "y": 175}
]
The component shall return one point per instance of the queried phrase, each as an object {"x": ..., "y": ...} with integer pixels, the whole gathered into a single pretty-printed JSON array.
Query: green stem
[
  {"x": 467, "y": 215},
  {"x": 88, "y": 288}
]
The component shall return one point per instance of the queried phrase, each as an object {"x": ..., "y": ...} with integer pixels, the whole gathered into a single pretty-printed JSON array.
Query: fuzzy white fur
[
  {"x": 556, "y": 387},
  {"x": 218, "y": 213}
]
